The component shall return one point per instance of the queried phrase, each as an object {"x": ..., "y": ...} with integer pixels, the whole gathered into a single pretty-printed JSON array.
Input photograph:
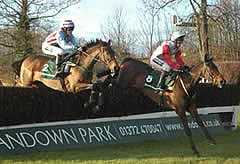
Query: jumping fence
[{"x": 39, "y": 119}]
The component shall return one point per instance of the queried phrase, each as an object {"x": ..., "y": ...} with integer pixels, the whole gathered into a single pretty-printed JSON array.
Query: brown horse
[
  {"x": 182, "y": 96},
  {"x": 80, "y": 74}
]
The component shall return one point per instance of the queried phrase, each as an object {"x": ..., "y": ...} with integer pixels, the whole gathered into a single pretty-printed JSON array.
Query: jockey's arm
[
  {"x": 167, "y": 58},
  {"x": 74, "y": 41},
  {"x": 62, "y": 42},
  {"x": 179, "y": 59}
]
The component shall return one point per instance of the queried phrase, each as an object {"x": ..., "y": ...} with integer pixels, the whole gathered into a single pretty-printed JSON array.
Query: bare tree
[
  {"x": 149, "y": 21},
  {"x": 116, "y": 29},
  {"x": 225, "y": 28},
  {"x": 200, "y": 11},
  {"x": 19, "y": 18}
]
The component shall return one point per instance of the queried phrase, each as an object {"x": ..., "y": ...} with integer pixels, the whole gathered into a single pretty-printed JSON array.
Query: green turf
[{"x": 175, "y": 150}]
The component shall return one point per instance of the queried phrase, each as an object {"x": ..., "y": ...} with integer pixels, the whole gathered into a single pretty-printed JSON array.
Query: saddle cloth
[
  {"x": 152, "y": 80},
  {"x": 49, "y": 70}
]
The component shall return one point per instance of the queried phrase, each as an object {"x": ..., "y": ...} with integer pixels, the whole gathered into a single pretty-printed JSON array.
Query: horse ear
[
  {"x": 208, "y": 58},
  {"x": 109, "y": 42}
]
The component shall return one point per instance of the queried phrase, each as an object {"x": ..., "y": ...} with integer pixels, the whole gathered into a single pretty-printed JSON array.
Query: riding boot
[{"x": 58, "y": 66}]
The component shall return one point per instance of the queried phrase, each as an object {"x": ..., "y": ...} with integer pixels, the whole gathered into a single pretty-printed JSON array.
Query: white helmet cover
[
  {"x": 177, "y": 35},
  {"x": 67, "y": 24}
]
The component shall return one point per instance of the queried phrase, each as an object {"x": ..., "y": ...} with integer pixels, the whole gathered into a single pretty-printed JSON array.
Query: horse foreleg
[
  {"x": 196, "y": 117},
  {"x": 82, "y": 86},
  {"x": 188, "y": 132},
  {"x": 19, "y": 84}
]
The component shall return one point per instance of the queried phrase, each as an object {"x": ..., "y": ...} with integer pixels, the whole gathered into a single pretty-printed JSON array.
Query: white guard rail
[{"x": 206, "y": 110}]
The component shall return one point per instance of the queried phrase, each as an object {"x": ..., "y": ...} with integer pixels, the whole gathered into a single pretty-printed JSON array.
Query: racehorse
[
  {"x": 80, "y": 74},
  {"x": 181, "y": 98}
]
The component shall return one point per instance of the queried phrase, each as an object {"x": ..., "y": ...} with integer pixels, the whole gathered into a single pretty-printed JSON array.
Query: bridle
[
  {"x": 205, "y": 70},
  {"x": 213, "y": 76}
]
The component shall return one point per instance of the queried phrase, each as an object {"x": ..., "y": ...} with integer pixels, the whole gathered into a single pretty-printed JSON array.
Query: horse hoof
[
  {"x": 96, "y": 109},
  {"x": 212, "y": 142},
  {"x": 85, "y": 105},
  {"x": 197, "y": 154}
]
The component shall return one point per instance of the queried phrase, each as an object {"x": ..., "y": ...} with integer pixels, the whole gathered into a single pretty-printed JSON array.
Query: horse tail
[{"x": 17, "y": 65}]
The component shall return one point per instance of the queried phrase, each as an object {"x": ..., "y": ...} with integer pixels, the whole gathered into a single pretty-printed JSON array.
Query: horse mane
[{"x": 92, "y": 43}]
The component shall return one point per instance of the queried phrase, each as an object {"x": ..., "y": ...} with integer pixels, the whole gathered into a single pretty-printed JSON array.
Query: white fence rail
[{"x": 204, "y": 111}]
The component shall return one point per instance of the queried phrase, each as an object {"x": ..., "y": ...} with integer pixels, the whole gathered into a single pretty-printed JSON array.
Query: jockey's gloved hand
[
  {"x": 185, "y": 68},
  {"x": 79, "y": 48},
  {"x": 177, "y": 70}
]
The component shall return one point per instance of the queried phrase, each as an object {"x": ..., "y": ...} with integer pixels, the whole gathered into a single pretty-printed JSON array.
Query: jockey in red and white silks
[
  {"x": 61, "y": 42},
  {"x": 161, "y": 59}
]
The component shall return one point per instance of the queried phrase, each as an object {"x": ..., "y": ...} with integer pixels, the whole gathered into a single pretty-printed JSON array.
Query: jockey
[
  {"x": 61, "y": 42},
  {"x": 161, "y": 59}
]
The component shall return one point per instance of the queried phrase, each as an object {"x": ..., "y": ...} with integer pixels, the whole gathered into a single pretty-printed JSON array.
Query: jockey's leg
[
  {"x": 58, "y": 65},
  {"x": 161, "y": 66},
  {"x": 54, "y": 51},
  {"x": 160, "y": 79}
]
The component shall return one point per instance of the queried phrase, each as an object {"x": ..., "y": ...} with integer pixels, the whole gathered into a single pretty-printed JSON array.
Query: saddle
[{"x": 154, "y": 80}]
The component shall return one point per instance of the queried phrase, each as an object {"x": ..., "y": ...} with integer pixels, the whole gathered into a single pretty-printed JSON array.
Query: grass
[{"x": 166, "y": 151}]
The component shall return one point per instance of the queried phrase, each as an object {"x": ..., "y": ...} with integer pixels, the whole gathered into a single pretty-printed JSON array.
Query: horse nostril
[
  {"x": 223, "y": 82},
  {"x": 116, "y": 69}
]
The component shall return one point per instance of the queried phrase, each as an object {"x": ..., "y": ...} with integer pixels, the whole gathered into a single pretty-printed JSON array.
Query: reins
[
  {"x": 193, "y": 75},
  {"x": 204, "y": 70},
  {"x": 89, "y": 55},
  {"x": 183, "y": 85}
]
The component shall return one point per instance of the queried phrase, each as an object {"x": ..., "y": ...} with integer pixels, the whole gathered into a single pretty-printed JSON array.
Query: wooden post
[{"x": 201, "y": 23}]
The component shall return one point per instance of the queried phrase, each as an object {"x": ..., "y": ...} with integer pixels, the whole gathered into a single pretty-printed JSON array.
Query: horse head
[
  {"x": 212, "y": 73},
  {"x": 101, "y": 51},
  {"x": 209, "y": 71}
]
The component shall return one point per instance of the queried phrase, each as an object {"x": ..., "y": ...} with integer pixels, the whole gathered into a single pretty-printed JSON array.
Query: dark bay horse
[
  {"x": 182, "y": 96},
  {"x": 80, "y": 75}
]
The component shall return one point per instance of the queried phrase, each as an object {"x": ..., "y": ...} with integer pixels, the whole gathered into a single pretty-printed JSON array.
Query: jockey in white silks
[
  {"x": 161, "y": 59},
  {"x": 61, "y": 42}
]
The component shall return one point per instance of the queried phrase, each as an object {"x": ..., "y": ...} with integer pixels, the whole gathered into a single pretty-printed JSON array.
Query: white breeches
[
  {"x": 159, "y": 64},
  {"x": 55, "y": 51}
]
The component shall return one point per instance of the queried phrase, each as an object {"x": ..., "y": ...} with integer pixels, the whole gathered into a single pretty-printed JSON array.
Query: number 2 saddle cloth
[{"x": 49, "y": 70}]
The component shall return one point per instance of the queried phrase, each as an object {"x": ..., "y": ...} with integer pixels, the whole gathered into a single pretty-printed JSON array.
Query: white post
[{"x": 236, "y": 109}]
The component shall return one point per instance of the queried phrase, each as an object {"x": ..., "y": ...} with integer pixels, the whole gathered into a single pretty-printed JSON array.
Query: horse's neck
[
  {"x": 197, "y": 71},
  {"x": 87, "y": 59},
  {"x": 190, "y": 81}
]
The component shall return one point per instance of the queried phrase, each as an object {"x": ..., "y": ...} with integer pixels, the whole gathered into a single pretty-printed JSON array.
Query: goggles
[{"x": 70, "y": 28}]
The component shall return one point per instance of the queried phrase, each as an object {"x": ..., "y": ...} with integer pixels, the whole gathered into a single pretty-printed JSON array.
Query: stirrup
[
  {"x": 170, "y": 85},
  {"x": 158, "y": 89},
  {"x": 58, "y": 71}
]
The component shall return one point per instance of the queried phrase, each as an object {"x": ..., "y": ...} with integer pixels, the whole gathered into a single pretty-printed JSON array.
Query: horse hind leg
[{"x": 188, "y": 132}]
